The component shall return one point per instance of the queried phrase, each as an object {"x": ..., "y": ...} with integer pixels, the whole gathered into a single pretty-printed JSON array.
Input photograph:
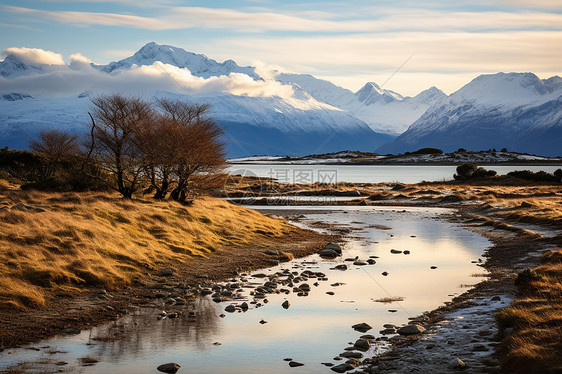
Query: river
[{"x": 315, "y": 328}]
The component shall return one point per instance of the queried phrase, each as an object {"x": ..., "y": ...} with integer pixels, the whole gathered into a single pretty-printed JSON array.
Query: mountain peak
[
  {"x": 371, "y": 93},
  {"x": 430, "y": 96},
  {"x": 198, "y": 64},
  {"x": 13, "y": 66},
  {"x": 504, "y": 89}
]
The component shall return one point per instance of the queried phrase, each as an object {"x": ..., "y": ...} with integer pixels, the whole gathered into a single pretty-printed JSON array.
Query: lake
[
  {"x": 315, "y": 328},
  {"x": 286, "y": 173}
]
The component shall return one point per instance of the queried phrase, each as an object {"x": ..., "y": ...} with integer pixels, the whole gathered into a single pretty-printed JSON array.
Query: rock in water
[
  {"x": 170, "y": 367},
  {"x": 295, "y": 364},
  {"x": 286, "y": 304},
  {"x": 328, "y": 253},
  {"x": 411, "y": 330},
  {"x": 362, "y": 345},
  {"x": 361, "y": 327},
  {"x": 334, "y": 247},
  {"x": 458, "y": 364},
  {"x": 342, "y": 368}
]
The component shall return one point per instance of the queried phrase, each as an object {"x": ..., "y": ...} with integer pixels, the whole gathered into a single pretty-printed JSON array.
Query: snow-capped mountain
[
  {"x": 517, "y": 111},
  {"x": 385, "y": 111},
  {"x": 198, "y": 64},
  {"x": 13, "y": 67},
  {"x": 295, "y": 114},
  {"x": 258, "y": 117}
]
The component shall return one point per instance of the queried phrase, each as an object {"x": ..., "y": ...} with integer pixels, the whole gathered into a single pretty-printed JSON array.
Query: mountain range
[{"x": 292, "y": 114}]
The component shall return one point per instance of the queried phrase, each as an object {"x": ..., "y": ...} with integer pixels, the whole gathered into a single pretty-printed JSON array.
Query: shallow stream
[{"x": 315, "y": 328}]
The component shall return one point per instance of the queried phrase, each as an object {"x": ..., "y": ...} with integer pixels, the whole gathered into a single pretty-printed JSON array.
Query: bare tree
[
  {"x": 116, "y": 122},
  {"x": 199, "y": 153},
  {"x": 57, "y": 147},
  {"x": 158, "y": 147}
]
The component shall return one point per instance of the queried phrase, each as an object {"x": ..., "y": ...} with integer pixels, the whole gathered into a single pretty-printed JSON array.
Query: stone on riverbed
[
  {"x": 342, "y": 368},
  {"x": 171, "y": 367},
  {"x": 334, "y": 247},
  {"x": 362, "y": 345},
  {"x": 411, "y": 330},
  {"x": 361, "y": 327},
  {"x": 351, "y": 354},
  {"x": 458, "y": 364},
  {"x": 328, "y": 253}
]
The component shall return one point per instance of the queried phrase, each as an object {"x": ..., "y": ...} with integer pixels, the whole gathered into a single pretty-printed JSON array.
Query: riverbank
[
  {"x": 521, "y": 219},
  {"x": 72, "y": 261}
]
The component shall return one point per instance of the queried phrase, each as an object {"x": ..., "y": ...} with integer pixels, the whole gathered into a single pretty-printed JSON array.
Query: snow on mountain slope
[
  {"x": 22, "y": 120},
  {"x": 391, "y": 114},
  {"x": 518, "y": 111},
  {"x": 198, "y": 64},
  {"x": 13, "y": 66},
  {"x": 385, "y": 111},
  {"x": 320, "y": 89},
  {"x": 252, "y": 125}
]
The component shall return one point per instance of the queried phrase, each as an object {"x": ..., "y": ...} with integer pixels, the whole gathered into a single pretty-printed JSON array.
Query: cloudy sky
[{"x": 424, "y": 42}]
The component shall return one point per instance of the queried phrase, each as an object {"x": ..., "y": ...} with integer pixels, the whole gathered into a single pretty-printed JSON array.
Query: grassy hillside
[{"x": 69, "y": 241}]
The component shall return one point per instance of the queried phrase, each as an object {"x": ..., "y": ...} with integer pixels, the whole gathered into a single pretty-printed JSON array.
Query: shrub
[
  {"x": 539, "y": 176},
  {"x": 465, "y": 171},
  {"x": 527, "y": 276},
  {"x": 428, "y": 151},
  {"x": 469, "y": 170}
]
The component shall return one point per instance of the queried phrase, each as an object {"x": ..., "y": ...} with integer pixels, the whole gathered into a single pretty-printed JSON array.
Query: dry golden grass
[
  {"x": 101, "y": 240},
  {"x": 535, "y": 346}
]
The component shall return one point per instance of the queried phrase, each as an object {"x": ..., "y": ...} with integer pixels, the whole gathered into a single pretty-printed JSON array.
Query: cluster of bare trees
[{"x": 164, "y": 146}]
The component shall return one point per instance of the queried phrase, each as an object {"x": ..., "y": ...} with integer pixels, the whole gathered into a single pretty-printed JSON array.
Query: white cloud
[
  {"x": 34, "y": 56},
  {"x": 268, "y": 71},
  {"x": 79, "y": 62},
  {"x": 80, "y": 77},
  {"x": 412, "y": 19},
  {"x": 453, "y": 56}
]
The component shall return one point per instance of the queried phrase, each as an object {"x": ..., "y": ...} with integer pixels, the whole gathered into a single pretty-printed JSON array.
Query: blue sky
[{"x": 348, "y": 43}]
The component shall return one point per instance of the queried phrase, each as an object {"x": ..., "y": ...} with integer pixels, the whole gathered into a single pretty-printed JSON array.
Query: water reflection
[
  {"x": 143, "y": 332},
  {"x": 315, "y": 328}
]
